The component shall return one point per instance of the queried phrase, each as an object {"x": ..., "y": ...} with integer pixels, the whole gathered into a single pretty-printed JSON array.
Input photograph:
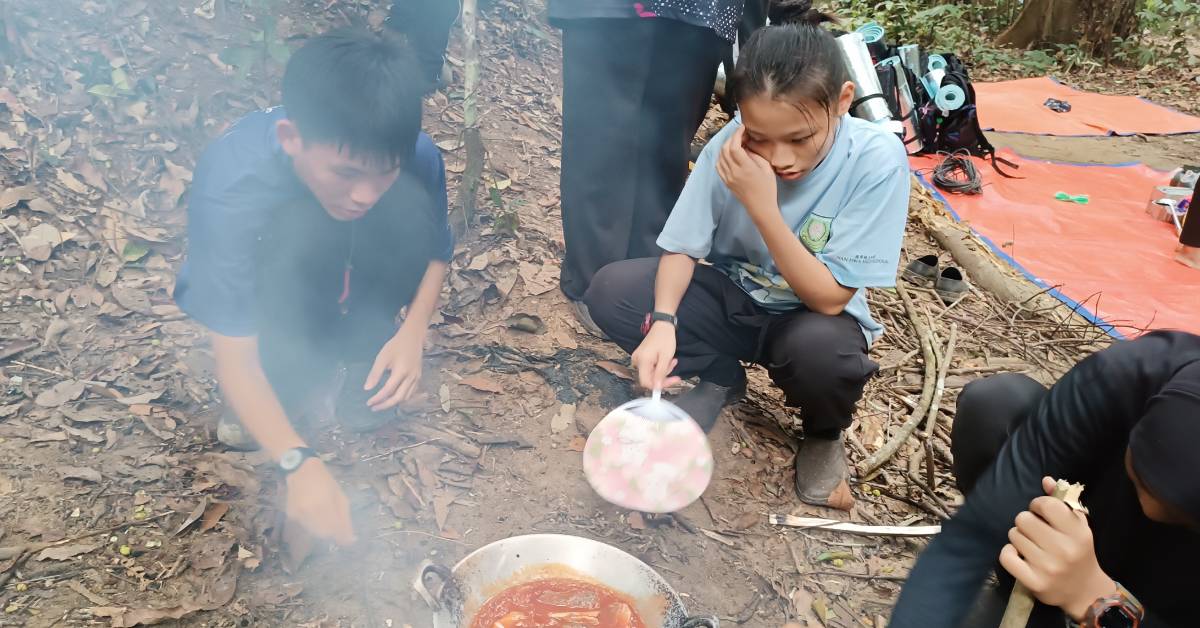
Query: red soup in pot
[{"x": 557, "y": 603}]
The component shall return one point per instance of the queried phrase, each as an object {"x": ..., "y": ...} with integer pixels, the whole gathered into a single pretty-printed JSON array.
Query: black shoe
[
  {"x": 351, "y": 408},
  {"x": 705, "y": 402}
]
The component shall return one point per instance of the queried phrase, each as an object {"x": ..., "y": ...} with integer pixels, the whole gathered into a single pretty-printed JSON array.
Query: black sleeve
[{"x": 1073, "y": 429}]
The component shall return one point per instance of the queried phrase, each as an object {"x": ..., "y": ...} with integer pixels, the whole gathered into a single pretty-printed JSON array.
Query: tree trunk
[{"x": 1091, "y": 24}]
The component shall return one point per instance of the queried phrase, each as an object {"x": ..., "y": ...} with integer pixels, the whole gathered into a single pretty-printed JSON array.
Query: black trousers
[
  {"x": 1191, "y": 224},
  {"x": 634, "y": 93},
  {"x": 989, "y": 411},
  {"x": 426, "y": 24},
  {"x": 819, "y": 361}
]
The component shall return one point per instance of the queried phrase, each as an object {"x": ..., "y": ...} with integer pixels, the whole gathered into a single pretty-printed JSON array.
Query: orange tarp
[
  {"x": 1108, "y": 256},
  {"x": 1019, "y": 107}
]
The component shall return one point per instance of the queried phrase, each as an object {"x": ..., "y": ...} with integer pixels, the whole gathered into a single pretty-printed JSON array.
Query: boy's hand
[
  {"x": 401, "y": 359},
  {"x": 1051, "y": 552},
  {"x": 750, "y": 177},
  {"x": 316, "y": 502},
  {"x": 654, "y": 359}
]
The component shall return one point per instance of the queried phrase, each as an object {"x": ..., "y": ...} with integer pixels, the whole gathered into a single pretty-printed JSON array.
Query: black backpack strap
[{"x": 854, "y": 105}]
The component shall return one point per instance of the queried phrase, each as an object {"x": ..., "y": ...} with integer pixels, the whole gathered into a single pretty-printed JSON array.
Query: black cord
[{"x": 956, "y": 174}]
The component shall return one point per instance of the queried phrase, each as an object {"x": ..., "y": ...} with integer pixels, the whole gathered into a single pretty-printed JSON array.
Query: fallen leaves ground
[{"x": 117, "y": 507}]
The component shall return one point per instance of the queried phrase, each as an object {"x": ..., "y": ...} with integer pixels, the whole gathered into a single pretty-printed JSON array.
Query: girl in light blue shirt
[{"x": 793, "y": 211}]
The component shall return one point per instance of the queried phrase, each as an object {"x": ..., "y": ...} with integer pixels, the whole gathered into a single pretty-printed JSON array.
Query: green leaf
[
  {"x": 103, "y": 91},
  {"x": 134, "y": 251},
  {"x": 120, "y": 81}
]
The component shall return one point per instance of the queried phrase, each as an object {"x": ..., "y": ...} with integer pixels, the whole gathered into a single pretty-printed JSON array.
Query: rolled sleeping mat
[
  {"x": 873, "y": 35},
  {"x": 936, "y": 62},
  {"x": 933, "y": 82},
  {"x": 908, "y": 114},
  {"x": 868, "y": 95},
  {"x": 950, "y": 97}
]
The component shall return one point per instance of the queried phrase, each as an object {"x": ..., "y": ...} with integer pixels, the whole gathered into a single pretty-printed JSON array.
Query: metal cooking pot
[{"x": 520, "y": 559}]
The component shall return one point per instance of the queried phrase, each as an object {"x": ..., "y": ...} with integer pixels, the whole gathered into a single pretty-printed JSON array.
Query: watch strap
[{"x": 655, "y": 317}]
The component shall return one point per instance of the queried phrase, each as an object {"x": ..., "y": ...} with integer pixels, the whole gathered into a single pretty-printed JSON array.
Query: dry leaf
[
  {"x": 141, "y": 399},
  {"x": 538, "y": 279},
  {"x": 636, "y": 520},
  {"x": 72, "y": 183},
  {"x": 193, "y": 517},
  {"x": 123, "y": 617},
  {"x": 619, "y": 370},
  {"x": 528, "y": 323},
  {"x": 132, "y": 299},
  {"x": 212, "y": 515},
  {"x": 64, "y": 552},
  {"x": 41, "y": 241},
  {"x": 746, "y": 521},
  {"x": 564, "y": 418},
  {"x": 577, "y": 444},
  {"x": 211, "y": 550},
  {"x": 441, "y": 506},
  {"x": 77, "y": 587},
  {"x": 60, "y": 393},
  {"x": 86, "y": 474},
  {"x": 482, "y": 384}
]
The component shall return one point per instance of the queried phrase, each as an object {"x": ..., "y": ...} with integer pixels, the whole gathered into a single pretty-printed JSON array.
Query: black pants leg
[
  {"x": 819, "y": 361},
  {"x": 821, "y": 364},
  {"x": 634, "y": 93},
  {"x": 426, "y": 24},
  {"x": 989, "y": 410},
  {"x": 719, "y": 325},
  {"x": 1191, "y": 224}
]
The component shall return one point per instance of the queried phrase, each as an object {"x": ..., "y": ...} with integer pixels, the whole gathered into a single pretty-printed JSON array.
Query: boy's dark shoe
[
  {"x": 705, "y": 402},
  {"x": 351, "y": 409},
  {"x": 580, "y": 310},
  {"x": 822, "y": 476}
]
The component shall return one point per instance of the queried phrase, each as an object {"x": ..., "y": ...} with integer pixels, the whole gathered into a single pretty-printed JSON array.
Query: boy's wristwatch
[
  {"x": 1119, "y": 610},
  {"x": 294, "y": 457}
]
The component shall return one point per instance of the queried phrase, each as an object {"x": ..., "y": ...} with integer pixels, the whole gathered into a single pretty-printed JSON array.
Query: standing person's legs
[
  {"x": 683, "y": 64},
  {"x": 719, "y": 327},
  {"x": 821, "y": 364},
  {"x": 605, "y": 75},
  {"x": 426, "y": 24},
  {"x": 988, "y": 411},
  {"x": 1189, "y": 240}
]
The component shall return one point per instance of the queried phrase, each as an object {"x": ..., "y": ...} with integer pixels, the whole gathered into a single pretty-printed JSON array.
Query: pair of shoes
[
  {"x": 579, "y": 309},
  {"x": 822, "y": 476},
  {"x": 949, "y": 285},
  {"x": 705, "y": 401}
]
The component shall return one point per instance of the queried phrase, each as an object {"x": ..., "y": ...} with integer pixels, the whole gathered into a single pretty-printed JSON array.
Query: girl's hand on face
[{"x": 750, "y": 177}]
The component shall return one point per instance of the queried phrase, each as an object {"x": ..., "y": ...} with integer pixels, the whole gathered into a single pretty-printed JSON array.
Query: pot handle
[
  {"x": 706, "y": 621},
  {"x": 447, "y": 580}
]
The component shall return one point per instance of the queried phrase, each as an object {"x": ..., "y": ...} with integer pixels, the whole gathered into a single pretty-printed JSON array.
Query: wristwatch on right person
[{"x": 1119, "y": 610}]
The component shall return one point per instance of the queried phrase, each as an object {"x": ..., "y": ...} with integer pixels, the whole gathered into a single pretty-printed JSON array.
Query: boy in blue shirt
[{"x": 318, "y": 244}]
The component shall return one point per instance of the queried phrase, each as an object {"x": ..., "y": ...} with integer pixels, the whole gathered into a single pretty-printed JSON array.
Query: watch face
[
  {"x": 1117, "y": 617},
  {"x": 291, "y": 459}
]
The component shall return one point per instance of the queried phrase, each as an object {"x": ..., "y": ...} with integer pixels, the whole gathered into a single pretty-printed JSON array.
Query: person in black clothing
[
  {"x": 1125, "y": 422},
  {"x": 1189, "y": 240},
  {"x": 637, "y": 80}
]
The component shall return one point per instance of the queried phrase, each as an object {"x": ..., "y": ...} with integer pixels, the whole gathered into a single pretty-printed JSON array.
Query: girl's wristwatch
[
  {"x": 654, "y": 317},
  {"x": 1119, "y": 610}
]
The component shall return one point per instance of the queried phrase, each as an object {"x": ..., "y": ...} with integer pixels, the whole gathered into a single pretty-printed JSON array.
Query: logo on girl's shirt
[{"x": 815, "y": 232}]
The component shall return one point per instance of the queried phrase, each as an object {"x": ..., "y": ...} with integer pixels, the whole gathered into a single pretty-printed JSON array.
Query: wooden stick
[
  {"x": 851, "y": 528},
  {"x": 890, "y": 448},
  {"x": 1020, "y": 601},
  {"x": 938, "y": 391}
]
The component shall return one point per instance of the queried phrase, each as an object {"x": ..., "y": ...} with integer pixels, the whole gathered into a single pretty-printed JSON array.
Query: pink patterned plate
[{"x": 649, "y": 456}]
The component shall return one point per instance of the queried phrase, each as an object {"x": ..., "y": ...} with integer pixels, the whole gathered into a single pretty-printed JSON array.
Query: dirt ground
[{"x": 108, "y": 405}]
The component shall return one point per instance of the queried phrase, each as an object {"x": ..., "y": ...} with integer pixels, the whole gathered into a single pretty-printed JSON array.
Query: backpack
[{"x": 954, "y": 130}]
